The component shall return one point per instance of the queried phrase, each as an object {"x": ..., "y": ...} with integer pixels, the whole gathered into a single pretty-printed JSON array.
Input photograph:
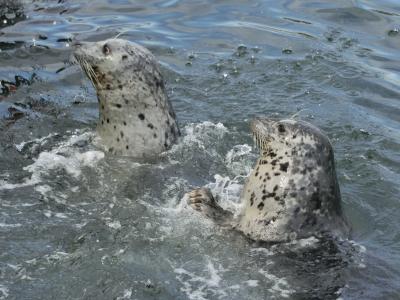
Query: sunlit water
[{"x": 76, "y": 223}]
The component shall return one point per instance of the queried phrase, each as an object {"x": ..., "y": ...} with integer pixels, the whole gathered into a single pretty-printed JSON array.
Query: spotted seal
[
  {"x": 135, "y": 116},
  {"x": 292, "y": 191}
]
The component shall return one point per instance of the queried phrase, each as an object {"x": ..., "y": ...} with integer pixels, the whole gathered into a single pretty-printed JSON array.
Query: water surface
[{"x": 76, "y": 223}]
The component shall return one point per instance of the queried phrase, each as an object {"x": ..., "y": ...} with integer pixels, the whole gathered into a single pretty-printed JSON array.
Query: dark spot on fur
[
  {"x": 117, "y": 139},
  {"x": 155, "y": 135},
  {"x": 120, "y": 86},
  {"x": 293, "y": 194},
  {"x": 277, "y": 198},
  {"x": 122, "y": 134},
  {"x": 260, "y": 206},
  {"x": 102, "y": 107},
  {"x": 165, "y": 145},
  {"x": 124, "y": 123},
  {"x": 108, "y": 87},
  {"x": 151, "y": 126},
  {"x": 284, "y": 167},
  {"x": 127, "y": 147},
  {"x": 102, "y": 122},
  {"x": 281, "y": 128},
  {"x": 316, "y": 200},
  {"x": 274, "y": 162},
  {"x": 108, "y": 120},
  {"x": 256, "y": 174},
  {"x": 294, "y": 136},
  {"x": 115, "y": 127},
  {"x": 252, "y": 197},
  {"x": 124, "y": 57},
  {"x": 277, "y": 174},
  {"x": 275, "y": 188},
  {"x": 141, "y": 116}
]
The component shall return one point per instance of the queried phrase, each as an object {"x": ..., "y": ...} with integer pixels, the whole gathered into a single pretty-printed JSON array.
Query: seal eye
[
  {"x": 106, "y": 50},
  {"x": 281, "y": 128}
]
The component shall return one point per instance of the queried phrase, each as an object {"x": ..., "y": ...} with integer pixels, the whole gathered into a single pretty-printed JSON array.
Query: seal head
[{"x": 135, "y": 116}]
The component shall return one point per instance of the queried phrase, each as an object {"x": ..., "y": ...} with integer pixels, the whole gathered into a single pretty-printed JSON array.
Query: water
[{"x": 78, "y": 224}]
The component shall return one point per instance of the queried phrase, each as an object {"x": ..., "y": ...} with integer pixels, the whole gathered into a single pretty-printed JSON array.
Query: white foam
[
  {"x": 229, "y": 191},
  {"x": 4, "y": 292},
  {"x": 280, "y": 286},
  {"x": 40, "y": 141},
  {"x": 200, "y": 135},
  {"x": 114, "y": 224},
  {"x": 64, "y": 156},
  {"x": 127, "y": 294},
  {"x": 252, "y": 283},
  {"x": 199, "y": 287},
  {"x": 237, "y": 160},
  {"x": 4, "y": 225}
]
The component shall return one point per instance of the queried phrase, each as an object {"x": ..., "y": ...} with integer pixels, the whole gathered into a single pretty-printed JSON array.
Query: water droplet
[
  {"x": 225, "y": 75},
  {"x": 393, "y": 32},
  {"x": 363, "y": 131},
  {"x": 54, "y": 22},
  {"x": 287, "y": 51},
  {"x": 5, "y": 21},
  {"x": 241, "y": 50},
  {"x": 252, "y": 59}
]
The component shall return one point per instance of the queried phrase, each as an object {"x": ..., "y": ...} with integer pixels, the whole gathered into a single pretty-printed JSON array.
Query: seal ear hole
[
  {"x": 281, "y": 128},
  {"x": 106, "y": 49}
]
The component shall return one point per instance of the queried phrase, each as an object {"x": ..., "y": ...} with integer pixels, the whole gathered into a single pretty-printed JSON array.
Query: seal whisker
[{"x": 295, "y": 115}]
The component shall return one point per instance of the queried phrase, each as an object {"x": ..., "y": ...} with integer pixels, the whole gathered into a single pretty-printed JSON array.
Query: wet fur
[
  {"x": 292, "y": 191},
  {"x": 135, "y": 116}
]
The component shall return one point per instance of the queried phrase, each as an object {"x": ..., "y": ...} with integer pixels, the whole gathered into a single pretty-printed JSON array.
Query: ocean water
[{"x": 76, "y": 223}]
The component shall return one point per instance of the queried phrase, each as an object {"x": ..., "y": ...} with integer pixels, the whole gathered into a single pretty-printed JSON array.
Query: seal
[
  {"x": 136, "y": 117},
  {"x": 292, "y": 191}
]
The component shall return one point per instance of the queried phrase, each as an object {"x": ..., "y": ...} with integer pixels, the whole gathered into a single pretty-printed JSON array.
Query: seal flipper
[{"x": 203, "y": 201}]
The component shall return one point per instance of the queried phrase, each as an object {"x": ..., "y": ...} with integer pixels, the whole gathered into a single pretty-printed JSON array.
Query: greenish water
[{"x": 78, "y": 224}]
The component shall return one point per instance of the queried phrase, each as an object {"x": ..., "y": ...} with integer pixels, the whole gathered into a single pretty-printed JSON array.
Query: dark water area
[{"x": 76, "y": 223}]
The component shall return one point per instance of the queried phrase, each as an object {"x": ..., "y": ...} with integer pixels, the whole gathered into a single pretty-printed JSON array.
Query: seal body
[
  {"x": 135, "y": 116},
  {"x": 292, "y": 191}
]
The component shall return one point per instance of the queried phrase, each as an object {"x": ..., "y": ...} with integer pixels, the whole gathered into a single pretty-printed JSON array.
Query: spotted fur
[
  {"x": 292, "y": 191},
  {"x": 135, "y": 116}
]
